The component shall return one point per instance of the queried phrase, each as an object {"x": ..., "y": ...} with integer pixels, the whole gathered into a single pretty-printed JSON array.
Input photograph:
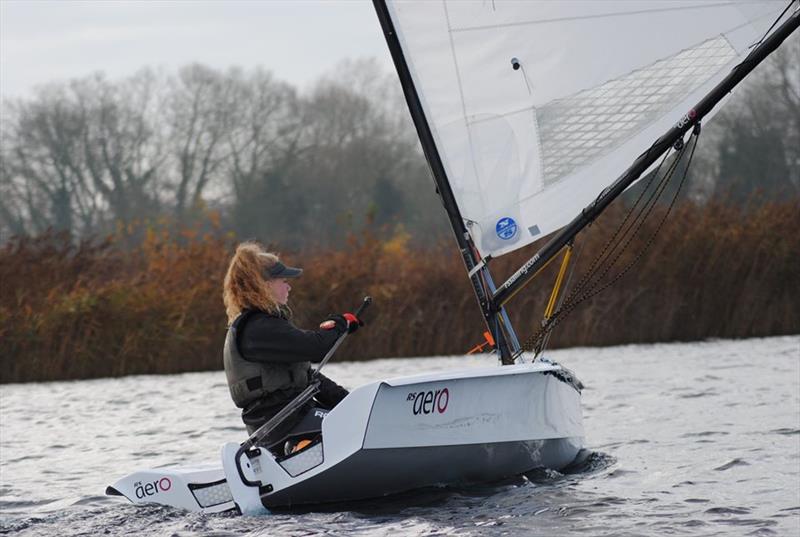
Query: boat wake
[{"x": 586, "y": 463}]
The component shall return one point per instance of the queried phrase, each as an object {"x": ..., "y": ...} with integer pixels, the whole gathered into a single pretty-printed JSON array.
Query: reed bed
[{"x": 98, "y": 309}]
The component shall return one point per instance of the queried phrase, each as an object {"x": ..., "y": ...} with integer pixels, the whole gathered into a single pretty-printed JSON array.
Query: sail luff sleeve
[
  {"x": 440, "y": 178},
  {"x": 523, "y": 275},
  {"x": 429, "y": 148}
]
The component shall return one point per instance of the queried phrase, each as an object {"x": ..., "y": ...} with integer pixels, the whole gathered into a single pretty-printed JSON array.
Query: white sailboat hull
[{"x": 427, "y": 430}]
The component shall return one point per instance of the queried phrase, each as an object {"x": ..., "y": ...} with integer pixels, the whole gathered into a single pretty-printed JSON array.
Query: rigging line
[
  {"x": 621, "y": 226},
  {"x": 658, "y": 227},
  {"x": 584, "y": 279},
  {"x": 592, "y": 280},
  {"x": 536, "y": 339},
  {"x": 631, "y": 229},
  {"x": 558, "y": 317},
  {"x": 774, "y": 23},
  {"x": 639, "y": 219}
]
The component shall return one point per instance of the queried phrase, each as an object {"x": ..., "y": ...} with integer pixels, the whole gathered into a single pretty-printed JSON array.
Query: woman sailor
[{"x": 267, "y": 358}]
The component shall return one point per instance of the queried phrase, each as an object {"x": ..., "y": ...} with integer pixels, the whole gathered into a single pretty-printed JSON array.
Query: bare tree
[
  {"x": 198, "y": 121},
  {"x": 121, "y": 148},
  {"x": 81, "y": 155},
  {"x": 42, "y": 159},
  {"x": 13, "y": 214},
  {"x": 262, "y": 146},
  {"x": 364, "y": 154}
]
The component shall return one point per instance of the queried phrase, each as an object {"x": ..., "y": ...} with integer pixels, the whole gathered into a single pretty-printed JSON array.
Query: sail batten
[
  {"x": 628, "y": 13},
  {"x": 536, "y": 107}
]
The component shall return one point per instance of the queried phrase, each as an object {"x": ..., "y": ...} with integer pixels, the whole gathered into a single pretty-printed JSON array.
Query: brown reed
[{"x": 95, "y": 309}]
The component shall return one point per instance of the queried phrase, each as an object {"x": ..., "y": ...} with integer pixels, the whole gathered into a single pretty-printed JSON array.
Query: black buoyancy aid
[{"x": 253, "y": 381}]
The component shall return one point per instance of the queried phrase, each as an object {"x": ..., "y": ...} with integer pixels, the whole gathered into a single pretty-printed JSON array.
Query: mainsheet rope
[{"x": 590, "y": 284}]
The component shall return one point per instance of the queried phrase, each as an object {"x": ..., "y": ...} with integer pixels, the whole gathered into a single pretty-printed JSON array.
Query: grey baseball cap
[{"x": 279, "y": 270}]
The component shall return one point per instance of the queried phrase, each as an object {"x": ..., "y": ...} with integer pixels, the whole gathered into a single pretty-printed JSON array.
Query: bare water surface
[{"x": 685, "y": 439}]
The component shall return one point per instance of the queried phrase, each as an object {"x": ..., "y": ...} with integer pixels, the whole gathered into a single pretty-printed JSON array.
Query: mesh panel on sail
[
  {"x": 526, "y": 146},
  {"x": 579, "y": 129}
]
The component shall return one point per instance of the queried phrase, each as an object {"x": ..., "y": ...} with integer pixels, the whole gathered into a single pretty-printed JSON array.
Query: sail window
[{"x": 648, "y": 93}]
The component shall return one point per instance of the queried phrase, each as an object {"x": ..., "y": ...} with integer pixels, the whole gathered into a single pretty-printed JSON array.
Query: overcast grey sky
[{"x": 43, "y": 40}]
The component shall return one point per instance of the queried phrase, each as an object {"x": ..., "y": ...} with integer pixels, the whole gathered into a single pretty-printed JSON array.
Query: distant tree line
[{"x": 93, "y": 156}]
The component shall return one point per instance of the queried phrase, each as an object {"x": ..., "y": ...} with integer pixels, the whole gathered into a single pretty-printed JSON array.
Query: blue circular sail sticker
[{"x": 506, "y": 228}]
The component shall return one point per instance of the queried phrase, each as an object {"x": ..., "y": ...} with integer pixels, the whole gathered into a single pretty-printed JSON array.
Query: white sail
[{"x": 596, "y": 83}]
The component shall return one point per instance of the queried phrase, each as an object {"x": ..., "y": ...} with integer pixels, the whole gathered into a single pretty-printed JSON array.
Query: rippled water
[{"x": 686, "y": 439}]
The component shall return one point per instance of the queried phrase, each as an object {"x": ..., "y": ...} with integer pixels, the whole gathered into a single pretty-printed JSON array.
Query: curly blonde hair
[{"x": 244, "y": 286}]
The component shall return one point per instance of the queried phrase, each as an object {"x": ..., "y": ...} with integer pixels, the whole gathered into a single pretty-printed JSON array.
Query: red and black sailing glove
[
  {"x": 346, "y": 321},
  {"x": 353, "y": 322}
]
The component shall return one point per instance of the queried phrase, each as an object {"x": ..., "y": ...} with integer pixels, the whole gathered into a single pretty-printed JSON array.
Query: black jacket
[
  {"x": 270, "y": 338},
  {"x": 276, "y": 340}
]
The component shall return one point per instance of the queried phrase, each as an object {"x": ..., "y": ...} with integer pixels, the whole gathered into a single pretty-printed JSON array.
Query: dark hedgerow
[{"x": 97, "y": 309}]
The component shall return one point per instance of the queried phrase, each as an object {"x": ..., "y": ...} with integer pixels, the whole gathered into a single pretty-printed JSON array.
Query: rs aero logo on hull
[
  {"x": 429, "y": 402},
  {"x": 144, "y": 490}
]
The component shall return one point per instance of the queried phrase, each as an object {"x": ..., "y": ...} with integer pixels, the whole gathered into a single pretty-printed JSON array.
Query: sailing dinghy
[
  {"x": 530, "y": 115},
  {"x": 391, "y": 436}
]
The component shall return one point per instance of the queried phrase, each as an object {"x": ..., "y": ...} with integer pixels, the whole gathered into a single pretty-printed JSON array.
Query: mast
[
  {"x": 693, "y": 117},
  {"x": 462, "y": 235}
]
